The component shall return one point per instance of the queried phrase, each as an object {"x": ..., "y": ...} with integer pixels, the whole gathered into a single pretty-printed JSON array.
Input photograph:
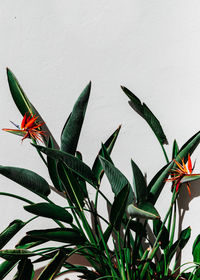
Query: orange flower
[
  {"x": 182, "y": 171},
  {"x": 29, "y": 128}
]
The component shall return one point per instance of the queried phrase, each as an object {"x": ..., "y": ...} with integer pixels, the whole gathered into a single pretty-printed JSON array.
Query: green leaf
[
  {"x": 52, "y": 168},
  {"x": 52, "y": 269},
  {"x": 20, "y": 98},
  {"x": 71, "y": 185},
  {"x": 25, "y": 270},
  {"x": 145, "y": 112},
  {"x": 73, "y": 163},
  {"x": 109, "y": 144},
  {"x": 144, "y": 210},
  {"x": 10, "y": 231},
  {"x": 175, "y": 149},
  {"x": 138, "y": 228},
  {"x": 118, "y": 208},
  {"x": 184, "y": 237},
  {"x": 117, "y": 180},
  {"x": 6, "y": 267},
  {"x": 28, "y": 242},
  {"x": 139, "y": 183},
  {"x": 72, "y": 129},
  {"x": 26, "y": 178},
  {"x": 50, "y": 210},
  {"x": 81, "y": 181},
  {"x": 164, "y": 237},
  {"x": 66, "y": 235},
  {"x": 196, "y": 250},
  {"x": 15, "y": 254}
]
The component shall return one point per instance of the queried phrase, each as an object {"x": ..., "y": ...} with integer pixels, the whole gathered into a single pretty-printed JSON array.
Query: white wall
[{"x": 56, "y": 47}]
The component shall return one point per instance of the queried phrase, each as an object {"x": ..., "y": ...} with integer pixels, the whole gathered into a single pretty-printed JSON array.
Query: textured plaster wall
[{"x": 56, "y": 47}]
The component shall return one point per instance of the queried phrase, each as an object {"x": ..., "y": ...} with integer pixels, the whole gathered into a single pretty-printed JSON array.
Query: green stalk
[
  {"x": 122, "y": 270},
  {"x": 164, "y": 151},
  {"x": 107, "y": 254},
  {"x": 156, "y": 244}
]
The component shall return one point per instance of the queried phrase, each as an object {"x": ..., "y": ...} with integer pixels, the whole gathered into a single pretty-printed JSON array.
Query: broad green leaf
[
  {"x": 118, "y": 207},
  {"x": 109, "y": 144},
  {"x": 180, "y": 243},
  {"x": 189, "y": 146},
  {"x": 144, "y": 210},
  {"x": 81, "y": 181},
  {"x": 144, "y": 111},
  {"x": 138, "y": 228},
  {"x": 196, "y": 250},
  {"x": 26, "y": 178},
  {"x": 175, "y": 149},
  {"x": 139, "y": 183},
  {"x": 52, "y": 269},
  {"x": 15, "y": 254},
  {"x": 19, "y": 97},
  {"x": 184, "y": 237},
  {"x": 117, "y": 180},
  {"x": 50, "y": 210},
  {"x": 10, "y": 231},
  {"x": 71, "y": 185},
  {"x": 66, "y": 235},
  {"x": 24, "y": 270},
  {"x": 72, "y": 129},
  {"x": 164, "y": 237},
  {"x": 52, "y": 168},
  {"x": 28, "y": 242},
  {"x": 75, "y": 164},
  {"x": 6, "y": 267},
  {"x": 24, "y": 105},
  {"x": 190, "y": 178}
]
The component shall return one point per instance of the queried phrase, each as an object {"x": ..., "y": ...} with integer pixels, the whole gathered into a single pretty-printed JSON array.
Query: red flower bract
[
  {"x": 29, "y": 128},
  {"x": 181, "y": 171}
]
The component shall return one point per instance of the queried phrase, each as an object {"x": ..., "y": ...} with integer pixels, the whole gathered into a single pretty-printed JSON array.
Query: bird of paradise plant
[
  {"x": 29, "y": 128},
  {"x": 114, "y": 245}
]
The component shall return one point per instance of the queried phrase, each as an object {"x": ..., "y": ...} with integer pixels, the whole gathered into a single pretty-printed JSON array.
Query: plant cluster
[{"x": 126, "y": 245}]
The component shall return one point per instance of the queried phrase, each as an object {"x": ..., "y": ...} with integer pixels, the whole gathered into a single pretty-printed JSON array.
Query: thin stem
[{"x": 17, "y": 197}]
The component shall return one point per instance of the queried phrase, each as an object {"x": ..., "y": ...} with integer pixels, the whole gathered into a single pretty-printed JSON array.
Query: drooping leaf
[
  {"x": 75, "y": 164},
  {"x": 24, "y": 270},
  {"x": 109, "y": 144},
  {"x": 144, "y": 210},
  {"x": 15, "y": 254},
  {"x": 118, "y": 207},
  {"x": 139, "y": 183},
  {"x": 51, "y": 270},
  {"x": 72, "y": 129},
  {"x": 6, "y": 267},
  {"x": 117, "y": 180},
  {"x": 10, "y": 231},
  {"x": 66, "y": 235},
  {"x": 26, "y": 178},
  {"x": 52, "y": 168},
  {"x": 164, "y": 237},
  {"x": 50, "y": 210},
  {"x": 71, "y": 185},
  {"x": 145, "y": 112},
  {"x": 196, "y": 250}
]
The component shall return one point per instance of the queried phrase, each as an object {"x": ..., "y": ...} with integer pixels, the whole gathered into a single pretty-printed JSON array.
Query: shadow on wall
[{"x": 184, "y": 200}]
